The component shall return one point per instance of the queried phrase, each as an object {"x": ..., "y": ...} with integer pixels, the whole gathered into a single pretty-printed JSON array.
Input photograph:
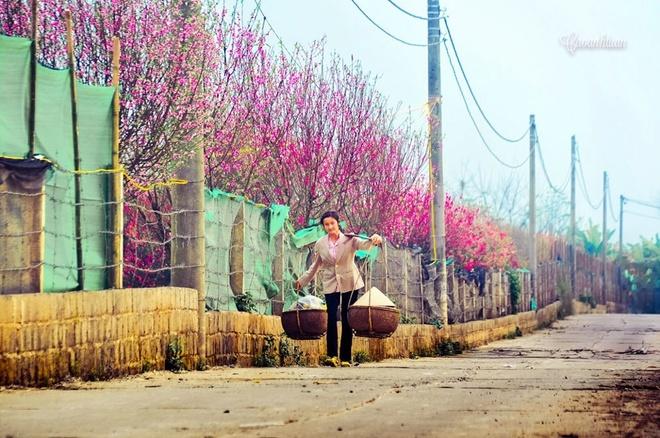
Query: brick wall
[
  {"x": 237, "y": 338},
  {"x": 45, "y": 338}
]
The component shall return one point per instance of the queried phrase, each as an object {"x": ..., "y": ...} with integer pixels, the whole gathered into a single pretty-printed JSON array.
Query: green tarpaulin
[
  {"x": 54, "y": 140},
  {"x": 240, "y": 252}
]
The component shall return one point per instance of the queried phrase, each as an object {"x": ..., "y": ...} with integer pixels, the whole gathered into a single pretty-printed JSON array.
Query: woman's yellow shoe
[{"x": 331, "y": 362}]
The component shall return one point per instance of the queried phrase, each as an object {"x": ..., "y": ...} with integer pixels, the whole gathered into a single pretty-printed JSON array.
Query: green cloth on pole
[
  {"x": 54, "y": 140},
  {"x": 308, "y": 235},
  {"x": 258, "y": 251},
  {"x": 279, "y": 214},
  {"x": 15, "y": 93}
]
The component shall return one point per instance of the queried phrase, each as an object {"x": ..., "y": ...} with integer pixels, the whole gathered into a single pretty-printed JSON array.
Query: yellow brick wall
[
  {"x": 45, "y": 338},
  {"x": 237, "y": 338}
]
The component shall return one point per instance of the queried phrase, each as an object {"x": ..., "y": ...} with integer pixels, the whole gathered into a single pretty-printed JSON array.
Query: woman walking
[{"x": 334, "y": 254}]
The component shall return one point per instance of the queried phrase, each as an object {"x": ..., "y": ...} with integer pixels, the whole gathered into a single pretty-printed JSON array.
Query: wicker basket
[
  {"x": 305, "y": 324},
  {"x": 373, "y": 321}
]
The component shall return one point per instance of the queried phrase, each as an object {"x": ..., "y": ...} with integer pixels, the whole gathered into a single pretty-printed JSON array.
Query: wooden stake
[
  {"x": 34, "y": 49},
  {"x": 404, "y": 262},
  {"x": 385, "y": 261},
  {"x": 76, "y": 148},
  {"x": 117, "y": 280}
]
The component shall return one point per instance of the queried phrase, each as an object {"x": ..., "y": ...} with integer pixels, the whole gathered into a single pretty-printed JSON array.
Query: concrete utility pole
[
  {"x": 620, "y": 267},
  {"x": 532, "y": 205},
  {"x": 188, "y": 251},
  {"x": 188, "y": 247},
  {"x": 622, "y": 200},
  {"x": 573, "y": 224},
  {"x": 435, "y": 138},
  {"x": 604, "y": 245}
]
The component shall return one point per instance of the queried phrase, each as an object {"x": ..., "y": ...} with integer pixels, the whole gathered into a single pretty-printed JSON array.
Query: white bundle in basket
[{"x": 308, "y": 302}]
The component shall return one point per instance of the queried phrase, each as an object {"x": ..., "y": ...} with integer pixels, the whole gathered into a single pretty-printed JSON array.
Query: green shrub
[
  {"x": 435, "y": 322},
  {"x": 200, "y": 364},
  {"x": 279, "y": 354},
  {"x": 566, "y": 300},
  {"x": 514, "y": 289},
  {"x": 361, "y": 357},
  {"x": 449, "y": 348},
  {"x": 290, "y": 354},
  {"x": 148, "y": 365},
  {"x": 407, "y": 319},
  {"x": 245, "y": 303},
  {"x": 268, "y": 357},
  {"x": 174, "y": 356},
  {"x": 587, "y": 299}
]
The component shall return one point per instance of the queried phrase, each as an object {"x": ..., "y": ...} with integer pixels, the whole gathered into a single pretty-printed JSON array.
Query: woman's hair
[{"x": 327, "y": 214}]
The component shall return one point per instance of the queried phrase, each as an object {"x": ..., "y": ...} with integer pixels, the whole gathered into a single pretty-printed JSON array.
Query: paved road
[{"x": 589, "y": 375}]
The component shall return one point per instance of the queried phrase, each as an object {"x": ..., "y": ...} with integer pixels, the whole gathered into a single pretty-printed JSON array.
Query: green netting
[
  {"x": 250, "y": 273},
  {"x": 232, "y": 219},
  {"x": 220, "y": 214},
  {"x": 308, "y": 235},
  {"x": 295, "y": 263},
  {"x": 258, "y": 258},
  {"x": 235, "y": 225},
  {"x": 279, "y": 214},
  {"x": 54, "y": 140},
  {"x": 14, "y": 67}
]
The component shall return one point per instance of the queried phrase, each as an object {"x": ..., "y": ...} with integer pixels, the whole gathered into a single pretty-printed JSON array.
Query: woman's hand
[
  {"x": 376, "y": 239},
  {"x": 298, "y": 286}
]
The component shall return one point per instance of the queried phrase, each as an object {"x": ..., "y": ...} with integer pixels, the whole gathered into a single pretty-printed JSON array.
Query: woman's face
[{"x": 331, "y": 225}]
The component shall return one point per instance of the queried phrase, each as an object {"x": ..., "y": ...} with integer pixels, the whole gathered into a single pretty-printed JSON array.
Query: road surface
[{"x": 588, "y": 375}]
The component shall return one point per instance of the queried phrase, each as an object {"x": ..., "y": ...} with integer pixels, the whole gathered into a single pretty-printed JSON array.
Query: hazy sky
[{"x": 516, "y": 65}]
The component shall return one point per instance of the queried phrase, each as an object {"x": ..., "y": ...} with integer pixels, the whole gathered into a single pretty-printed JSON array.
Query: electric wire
[
  {"x": 458, "y": 59},
  {"x": 634, "y": 213},
  {"x": 388, "y": 33},
  {"x": 258, "y": 4},
  {"x": 419, "y": 17},
  {"x": 545, "y": 170},
  {"x": 609, "y": 198},
  {"x": 646, "y": 204},
  {"x": 474, "y": 123},
  {"x": 583, "y": 185}
]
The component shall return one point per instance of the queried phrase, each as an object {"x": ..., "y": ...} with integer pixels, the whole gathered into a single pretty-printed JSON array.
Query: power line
[
  {"x": 634, "y": 213},
  {"x": 293, "y": 58},
  {"x": 583, "y": 189},
  {"x": 258, "y": 4},
  {"x": 567, "y": 179},
  {"x": 458, "y": 59},
  {"x": 389, "y": 34},
  {"x": 583, "y": 185},
  {"x": 419, "y": 17},
  {"x": 609, "y": 198},
  {"x": 646, "y": 204},
  {"x": 476, "y": 127},
  {"x": 545, "y": 170}
]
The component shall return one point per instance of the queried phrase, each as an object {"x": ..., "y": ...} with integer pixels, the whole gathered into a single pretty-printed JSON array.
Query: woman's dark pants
[{"x": 332, "y": 301}]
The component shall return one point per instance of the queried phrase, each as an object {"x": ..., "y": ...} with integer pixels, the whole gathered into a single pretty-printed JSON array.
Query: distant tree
[
  {"x": 506, "y": 199},
  {"x": 591, "y": 240},
  {"x": 502, "y": 198},
  {"x": 645, "y": 250}
]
